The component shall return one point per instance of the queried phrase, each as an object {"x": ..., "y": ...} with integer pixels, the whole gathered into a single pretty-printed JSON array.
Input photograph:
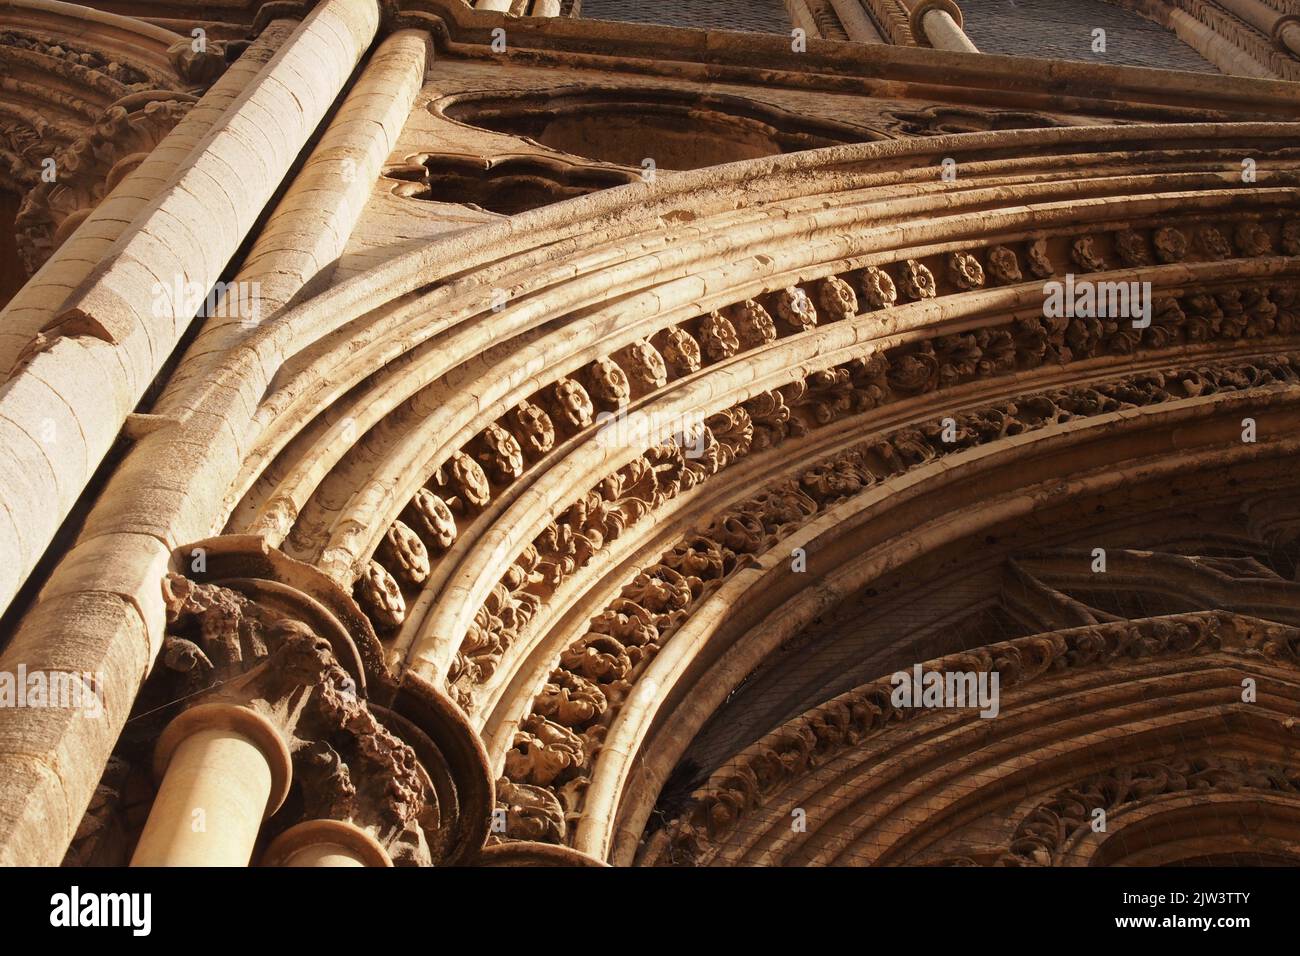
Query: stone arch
[
  {"x": 1150, "y": 714},
  {"x": 88, "y": 96},
  {"x": 925, "y": 307}
]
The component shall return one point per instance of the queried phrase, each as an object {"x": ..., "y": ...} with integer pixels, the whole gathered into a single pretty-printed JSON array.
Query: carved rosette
[{"x": 558, "y": 745}]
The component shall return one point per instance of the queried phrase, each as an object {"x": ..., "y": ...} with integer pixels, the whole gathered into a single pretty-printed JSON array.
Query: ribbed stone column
[
  {"x": 1283, "y": 29},
  {"x": 1216, "y": 49},
  {"x": 312, "y": 223},
  {"x": 89, "y": 366},
  {"x": 224, "y": 769},
  {"x": 802, "y": 17},
  {"x": 1287, "y": 33},
  {"x": 109, "y": 348},
  {"x": 855, "y": 21}
]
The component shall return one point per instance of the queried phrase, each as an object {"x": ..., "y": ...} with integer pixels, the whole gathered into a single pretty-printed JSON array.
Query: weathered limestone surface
[{"x": 622, "y": 407}]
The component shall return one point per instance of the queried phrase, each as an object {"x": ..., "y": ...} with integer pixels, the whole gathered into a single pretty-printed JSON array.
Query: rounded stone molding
[
  {"x": 916, "y": 16},
  {"x": 239, "y": 720},
  {"x": 453, "y": 752},
  {"x": 1286, "y": 33},
  {"x": 1176, "y": 829},
  {"x": 317, "y": 839},
  {"x": 525, "y": 853}
]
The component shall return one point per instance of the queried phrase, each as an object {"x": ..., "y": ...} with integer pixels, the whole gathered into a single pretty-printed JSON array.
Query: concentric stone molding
[
  {"x": 418, "y": 420},
  {"x": 497, "y": 456},
  {"x": 1042, "y": 836},
  {"x": 278, "y": 503},
  {"x": 754, "y": 777},
  {"x": 558, "y": 744},
  {"x": 793, "y": 410}
]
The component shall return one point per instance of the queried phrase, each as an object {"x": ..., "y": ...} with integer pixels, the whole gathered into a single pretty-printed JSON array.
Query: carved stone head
[
  {"x": 1291, "y": 237},
  {"x": 1086, "y": 255},
  {"x": 1211, "y": 242},
  {"x": 1040, "y": 263}
]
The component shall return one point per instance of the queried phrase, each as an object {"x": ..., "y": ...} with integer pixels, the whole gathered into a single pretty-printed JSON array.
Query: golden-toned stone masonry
[{"x": 439, "y": 433}]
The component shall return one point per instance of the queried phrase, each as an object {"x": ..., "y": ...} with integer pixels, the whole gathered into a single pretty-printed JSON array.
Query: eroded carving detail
[
  {"x": 754, "y": 776},
  {"x": 622, "y": 640},
  {"x": 346, "y": 764}
]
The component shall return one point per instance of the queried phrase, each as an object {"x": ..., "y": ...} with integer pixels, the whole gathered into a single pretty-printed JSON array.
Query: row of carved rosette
[
  {"x": 462, "y": 487},
  {"x": 1191, "y": 316},
  {"x": 464, "y": 483}
]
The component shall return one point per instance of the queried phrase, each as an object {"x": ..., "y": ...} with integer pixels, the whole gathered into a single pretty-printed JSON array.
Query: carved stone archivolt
[
  {"x": 500, "y": 454},
  {"x": 556, "y": 747},
  {"x": 475, "y": 480},
  {"x": 755, "y": 777},
  {"x": 65, "y": 157},
  {"x": 1040, "y": 838},
  {"x": 863, "y": 385},
  {"x": 421, "y": 417}
]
